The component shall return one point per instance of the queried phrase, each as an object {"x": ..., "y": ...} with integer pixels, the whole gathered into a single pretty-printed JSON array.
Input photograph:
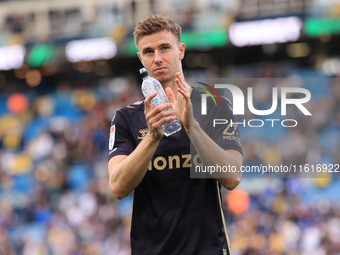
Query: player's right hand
[{"x": 156, "y": 117}]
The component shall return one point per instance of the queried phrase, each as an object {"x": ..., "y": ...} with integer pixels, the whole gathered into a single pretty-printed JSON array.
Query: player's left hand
[{"x": 182, "y": 106}]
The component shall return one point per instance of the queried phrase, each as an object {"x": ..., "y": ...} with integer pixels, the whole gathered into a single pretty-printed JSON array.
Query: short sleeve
[
  {"x": 225, "y": 133},
  {"x": 120, "y": 139}
]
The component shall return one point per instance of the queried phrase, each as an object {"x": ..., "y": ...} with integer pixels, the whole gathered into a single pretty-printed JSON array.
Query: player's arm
[
  {"x": 126, "y": 172},
  {"x": 208, "y": 150},
  {"x": 212, "y": 154}
]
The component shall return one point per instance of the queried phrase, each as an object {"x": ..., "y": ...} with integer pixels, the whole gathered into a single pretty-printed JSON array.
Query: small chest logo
[{"x": 142, "y": 133}]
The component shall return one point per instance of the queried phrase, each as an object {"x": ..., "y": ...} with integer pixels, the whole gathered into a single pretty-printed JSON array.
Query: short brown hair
[{"x": 154, "y": 24}]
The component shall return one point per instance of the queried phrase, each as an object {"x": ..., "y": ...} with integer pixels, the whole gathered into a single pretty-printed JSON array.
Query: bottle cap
[{"x": 143, "y": 72}]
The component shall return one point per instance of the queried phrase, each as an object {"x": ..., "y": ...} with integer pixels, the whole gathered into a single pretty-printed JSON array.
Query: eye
[
  {"x": 165, "y": 48},
  {"x": 147, "y": 52}
]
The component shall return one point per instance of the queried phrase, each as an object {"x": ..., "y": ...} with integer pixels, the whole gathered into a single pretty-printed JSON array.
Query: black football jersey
[{"x": 174, "y": 214}]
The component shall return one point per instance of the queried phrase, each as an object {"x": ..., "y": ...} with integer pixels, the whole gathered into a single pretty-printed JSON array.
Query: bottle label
[{"x": 155, "y": 100}]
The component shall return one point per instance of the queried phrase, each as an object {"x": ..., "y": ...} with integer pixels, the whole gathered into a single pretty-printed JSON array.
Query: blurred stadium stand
[{"x": 55, "y": 117}]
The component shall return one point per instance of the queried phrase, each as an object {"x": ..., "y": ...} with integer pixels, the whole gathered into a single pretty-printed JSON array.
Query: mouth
[{"x": 160, "y": 69}]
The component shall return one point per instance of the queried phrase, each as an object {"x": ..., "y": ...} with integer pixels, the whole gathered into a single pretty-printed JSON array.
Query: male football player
[{"x": 173, "y": 214}]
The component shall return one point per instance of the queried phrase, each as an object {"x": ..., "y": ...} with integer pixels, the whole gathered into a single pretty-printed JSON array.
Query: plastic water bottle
[{"x": 150, "y": 85}]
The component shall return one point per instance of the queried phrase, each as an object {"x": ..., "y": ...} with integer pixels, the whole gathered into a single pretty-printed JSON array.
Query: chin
[{"x": 162, "y": 77}]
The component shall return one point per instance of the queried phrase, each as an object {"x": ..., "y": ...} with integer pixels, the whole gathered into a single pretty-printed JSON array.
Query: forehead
[{"x": 156, "y": 39}]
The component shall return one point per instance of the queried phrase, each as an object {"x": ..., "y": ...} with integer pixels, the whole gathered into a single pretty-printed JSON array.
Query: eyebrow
[{"x": 162, "y": 45}]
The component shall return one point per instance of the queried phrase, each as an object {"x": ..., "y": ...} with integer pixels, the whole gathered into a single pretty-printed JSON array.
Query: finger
[
  {"x": 161, "y": 115},
  {"x": 157, "y": 110},
  {"x": 182, "y": 90},
  {"x": 183, "y": 93},
  {"x": 162, "y": 107},
  {"x": 170, "y": 95},
  {"x": 181, "y": 84},
  {"x": 158, "y": 124},
  {"x": 147, "y": 101},
  {"x": 179, "y": 76},
  {"x": 181, "y": 79}
]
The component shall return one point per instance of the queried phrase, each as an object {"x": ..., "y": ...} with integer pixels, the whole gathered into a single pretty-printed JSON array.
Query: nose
[{"x": 158, "y": 57}]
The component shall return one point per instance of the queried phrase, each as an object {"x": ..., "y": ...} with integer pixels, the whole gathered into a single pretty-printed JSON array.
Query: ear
[
  {"x": 181, "y": 50},
  {"x": 139, "y": 56}
]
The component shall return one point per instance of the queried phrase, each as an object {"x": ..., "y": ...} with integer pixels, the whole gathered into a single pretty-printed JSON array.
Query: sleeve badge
[{"x": 112, "y": 136}]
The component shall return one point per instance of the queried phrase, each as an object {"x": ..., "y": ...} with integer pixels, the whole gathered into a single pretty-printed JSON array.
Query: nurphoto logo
[
  {"x": 204, "y": 97},
  {"x": 239, "y": 103}
]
